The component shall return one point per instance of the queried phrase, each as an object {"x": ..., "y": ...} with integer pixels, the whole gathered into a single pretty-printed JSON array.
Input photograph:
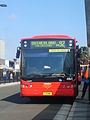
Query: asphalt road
[{"x": 13, "y": 107}]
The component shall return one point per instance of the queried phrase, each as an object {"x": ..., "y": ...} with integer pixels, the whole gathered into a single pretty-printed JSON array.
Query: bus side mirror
[
  {"x": 18, "y": 52},
  {"x": 78, "y": 52},
  {"x": 77, "y": 47}
]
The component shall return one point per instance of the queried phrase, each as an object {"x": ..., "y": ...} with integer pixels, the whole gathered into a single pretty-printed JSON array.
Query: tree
[{"x": 84, "y": 55}]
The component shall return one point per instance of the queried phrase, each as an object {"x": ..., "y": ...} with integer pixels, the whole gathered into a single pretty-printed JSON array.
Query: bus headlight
[
  {"x": 72, "y": 86},
  {"x": 63, "y": 85},
  {"x": 30, "y": 86},
  {"x": 22, "y": 86},
  {"x": 26, "y": 86}
]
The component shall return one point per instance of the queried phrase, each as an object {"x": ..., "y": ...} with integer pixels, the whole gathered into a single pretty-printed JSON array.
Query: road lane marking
[{"x": 9, "y": 84}]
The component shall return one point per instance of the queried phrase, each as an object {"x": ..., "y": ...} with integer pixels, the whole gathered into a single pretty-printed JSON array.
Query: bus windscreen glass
[{"x": 54, "y": 59}]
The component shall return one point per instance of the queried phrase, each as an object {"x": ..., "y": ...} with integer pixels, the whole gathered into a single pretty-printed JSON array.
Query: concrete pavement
[
  {"x": 13, "y": 107},
  {"x": 81, "y": 108}
]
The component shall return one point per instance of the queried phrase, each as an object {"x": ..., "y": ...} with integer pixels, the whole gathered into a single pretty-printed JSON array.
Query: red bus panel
[{"x": 47, "y": 89}]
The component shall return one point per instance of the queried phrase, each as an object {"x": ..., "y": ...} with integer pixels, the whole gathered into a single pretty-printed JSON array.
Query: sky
[{"x": 27, "y": 18}]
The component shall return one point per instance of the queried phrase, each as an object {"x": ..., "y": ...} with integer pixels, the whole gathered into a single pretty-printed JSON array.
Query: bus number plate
[{"x": 47, "y": 93}]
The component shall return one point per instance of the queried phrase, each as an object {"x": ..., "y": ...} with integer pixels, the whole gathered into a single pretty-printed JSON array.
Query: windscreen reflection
[{"x": 41, "y": 62}]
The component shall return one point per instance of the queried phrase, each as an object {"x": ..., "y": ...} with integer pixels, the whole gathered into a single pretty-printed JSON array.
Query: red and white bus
[{"x": 49, "y": 66}]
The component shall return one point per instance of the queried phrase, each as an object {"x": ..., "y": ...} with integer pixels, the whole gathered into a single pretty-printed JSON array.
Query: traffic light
[{"x": 18, "y": 52}]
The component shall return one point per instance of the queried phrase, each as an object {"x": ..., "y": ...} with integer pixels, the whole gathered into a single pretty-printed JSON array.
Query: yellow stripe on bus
[{"x": 59, "y": 50}]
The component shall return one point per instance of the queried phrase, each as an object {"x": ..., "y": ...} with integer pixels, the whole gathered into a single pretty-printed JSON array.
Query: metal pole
[{"x": 89, "y": 52}]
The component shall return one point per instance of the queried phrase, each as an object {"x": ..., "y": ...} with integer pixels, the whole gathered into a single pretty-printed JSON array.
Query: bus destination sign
[
  {"x": 36, "y": 44},
  {"x": 51, "y": 44}
]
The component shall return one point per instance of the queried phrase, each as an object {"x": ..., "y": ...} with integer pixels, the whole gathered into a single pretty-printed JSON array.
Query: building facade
[
  {"x": 2, "y": 52},
  {"x": 2, "y": 49}
]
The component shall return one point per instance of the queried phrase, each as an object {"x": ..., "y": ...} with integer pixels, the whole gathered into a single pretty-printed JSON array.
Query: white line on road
[{"x": 9, "y": 84}]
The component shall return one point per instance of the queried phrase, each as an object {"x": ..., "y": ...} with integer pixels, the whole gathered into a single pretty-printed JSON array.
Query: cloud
[{"x": 12, "y": 17}]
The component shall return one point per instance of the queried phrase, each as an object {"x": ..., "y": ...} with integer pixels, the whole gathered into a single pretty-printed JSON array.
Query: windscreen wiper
[
  {"x": 46, "y": 75},
  {"x": 59, "y": 75},
  {"x": 55, "y": 75}
]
